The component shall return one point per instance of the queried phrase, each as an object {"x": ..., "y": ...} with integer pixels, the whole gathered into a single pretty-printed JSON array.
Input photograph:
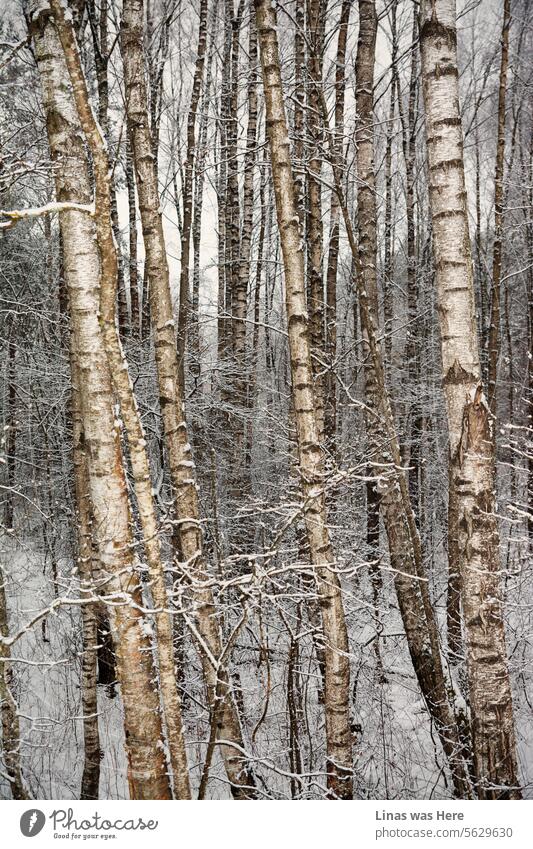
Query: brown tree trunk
[
  {"x": 232, "y": 201},
  {"x": 412, "y": 339},
  {"x": 223, "y": 324},
  {"x": 10, "y": 430},
  {"x": 84, "y": 522},
  {"x": 299, "y": 105},
  {"x": 314, "y": 240},
  {"x": 201, "y": 158},
  {"x": 330, "y": 412},
  {"x": 100, "y": 34},
  {"x": 495, "y": 290},
  {"x": 132, "y": 239},
  {"x": 367, "y": 222},
  {"x": 187, "y": 192},
  {"x": 388, "y": 261},
  {"x": 128, "y": 406},
  {"x": 240, "y": 294},
  {"x": 10, "y": 717}
]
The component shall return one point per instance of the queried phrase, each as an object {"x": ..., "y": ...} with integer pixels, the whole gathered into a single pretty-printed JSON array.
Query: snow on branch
[{"x": 15, "y": 215}]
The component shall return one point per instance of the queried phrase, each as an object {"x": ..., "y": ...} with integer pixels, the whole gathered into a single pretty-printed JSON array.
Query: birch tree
[
  {"x": 337, "y": 670},
  {"x": 311, "y": 601},
  {"x": 147, "y": 769},
  {"x": 109, "y": 277},
  {"x": 182, "y": 469},
  {"x": 472, "y": 521}
]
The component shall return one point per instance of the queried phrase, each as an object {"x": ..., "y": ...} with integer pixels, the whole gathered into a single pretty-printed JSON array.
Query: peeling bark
[
  {"x": 85, "y": 552},
  {"x": 472, "y": 522}
]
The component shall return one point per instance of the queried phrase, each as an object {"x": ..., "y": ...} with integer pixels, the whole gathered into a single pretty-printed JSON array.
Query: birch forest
[{"x": 266, "y": 399}]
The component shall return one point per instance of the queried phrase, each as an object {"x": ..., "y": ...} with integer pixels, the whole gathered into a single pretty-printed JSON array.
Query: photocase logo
[{"x": 32, "y": 822}]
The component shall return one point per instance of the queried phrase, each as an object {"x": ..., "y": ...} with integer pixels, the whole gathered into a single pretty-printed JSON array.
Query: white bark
[
  {"x": 182, "y": 468},
  {"x": 473, "y": 526},
  {"x": 124, "y": 391},
  {"x": 337, "y": 668},
  {"x": 112, "y": 522}
]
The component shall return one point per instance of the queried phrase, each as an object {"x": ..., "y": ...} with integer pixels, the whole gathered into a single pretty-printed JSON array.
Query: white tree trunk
[
  {"x": 472, "y": 523},
  {"x": 181, "y": 463},
  {"x": 337, "y": 667},
  {"x": 142, "y": 722},
  {"x": 124, "y": 391}
]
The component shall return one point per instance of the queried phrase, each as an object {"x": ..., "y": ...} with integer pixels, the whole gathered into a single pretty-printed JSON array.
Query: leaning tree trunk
[
  {"x": 147, "y": 772},
  {"x": 472, "y": 520},
  {"x": 124, "y": 391},
  {"x": 337, "y": 667},
  {"x": 182, "y": 469},
  {"x": 100, "y": 32}
]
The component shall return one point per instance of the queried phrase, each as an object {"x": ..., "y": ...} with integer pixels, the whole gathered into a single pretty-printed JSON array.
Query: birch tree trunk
[
  {"x": 405, "y": 550},
  {"x": 124, "y": 392},
  {"x": 472, "y": 519},
  {"x": 182, "y": 468},
  {"x": 337, "y": 668},
  {"x": 147, "y": 773}
]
